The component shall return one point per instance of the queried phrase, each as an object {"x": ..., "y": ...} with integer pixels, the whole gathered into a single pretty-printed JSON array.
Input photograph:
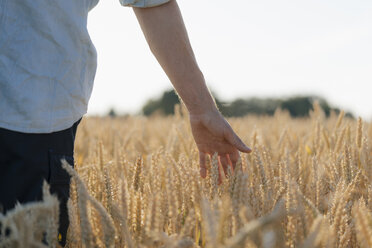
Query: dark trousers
[{"x": 26, "y": 160}]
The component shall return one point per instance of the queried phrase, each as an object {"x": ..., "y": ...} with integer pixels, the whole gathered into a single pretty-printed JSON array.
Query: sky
[{"x": 245, "y": 49}]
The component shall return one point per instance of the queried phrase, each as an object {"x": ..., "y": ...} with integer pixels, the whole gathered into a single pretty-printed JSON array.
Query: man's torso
[{"x": 47, "y": 64}]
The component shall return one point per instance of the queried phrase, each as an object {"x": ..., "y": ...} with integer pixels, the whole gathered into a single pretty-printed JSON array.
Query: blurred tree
[
  {"x": 112, "y": 113},
  {"x": 165, "y": 104},
  {"x": 298, "y": 106},
  {"x": 241, "y": 107}
]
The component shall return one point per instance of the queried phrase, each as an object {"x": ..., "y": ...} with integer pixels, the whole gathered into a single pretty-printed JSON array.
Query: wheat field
[{"x": 136, "y": 183}]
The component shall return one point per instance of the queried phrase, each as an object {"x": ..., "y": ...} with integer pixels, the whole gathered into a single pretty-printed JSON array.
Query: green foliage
[
  {"x": 241, "y": 107},
  {"x": 297, "y": 106}
]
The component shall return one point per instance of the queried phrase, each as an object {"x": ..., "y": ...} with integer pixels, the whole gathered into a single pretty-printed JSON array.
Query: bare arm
[{"x": 167, "y": 37}]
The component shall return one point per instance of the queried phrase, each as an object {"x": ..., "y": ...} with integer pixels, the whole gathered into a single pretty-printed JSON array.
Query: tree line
[{"x": 297, "y": 106}]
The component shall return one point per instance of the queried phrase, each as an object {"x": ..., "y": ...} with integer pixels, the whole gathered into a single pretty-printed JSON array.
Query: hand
[{"x": 212, "y": 133}]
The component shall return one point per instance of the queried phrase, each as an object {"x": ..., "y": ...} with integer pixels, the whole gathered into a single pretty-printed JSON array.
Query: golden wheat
[{"x": 136, "y": 183}]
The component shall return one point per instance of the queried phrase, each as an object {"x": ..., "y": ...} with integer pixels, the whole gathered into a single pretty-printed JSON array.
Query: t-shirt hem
[{"x": 53, "y": 129}]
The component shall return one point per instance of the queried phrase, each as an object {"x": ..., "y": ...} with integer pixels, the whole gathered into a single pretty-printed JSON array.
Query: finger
[
  {"x": 234, "y": 140},
  {"x": 224, "y": 163},
  {"x": 203, "y": 164},
  {"x": 234, "y": 158},
  {"x": 219, "y": 170},
  {"x": 219, "y": 175}
]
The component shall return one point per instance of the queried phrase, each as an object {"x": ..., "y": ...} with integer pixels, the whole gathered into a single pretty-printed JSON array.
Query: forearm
[{"x": 167, "y": 37}]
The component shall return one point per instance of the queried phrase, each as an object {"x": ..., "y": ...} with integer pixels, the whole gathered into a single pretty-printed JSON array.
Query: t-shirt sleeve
[{"x": 143, "y": 3}]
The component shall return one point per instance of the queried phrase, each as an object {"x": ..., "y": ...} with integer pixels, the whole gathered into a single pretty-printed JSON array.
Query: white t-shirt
[{"x": 47, "y": 62}]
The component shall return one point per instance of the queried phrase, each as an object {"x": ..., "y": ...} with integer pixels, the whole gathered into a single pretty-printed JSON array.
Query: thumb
[{"x": 234, "y": 140}]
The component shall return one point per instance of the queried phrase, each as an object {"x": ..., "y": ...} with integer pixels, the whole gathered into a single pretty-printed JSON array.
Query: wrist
[
  {"x": 204, "y": 115},
  {"x": 202, "y": 107},
  {"x": 192, "y": 89},
  {"x": 202, "y": 101}
]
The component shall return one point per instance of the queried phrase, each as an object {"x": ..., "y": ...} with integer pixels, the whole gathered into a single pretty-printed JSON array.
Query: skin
[{"x": 167, "y": 37}]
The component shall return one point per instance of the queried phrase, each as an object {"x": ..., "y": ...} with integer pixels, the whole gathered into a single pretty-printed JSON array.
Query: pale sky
[{"x": 245, "y": 48}]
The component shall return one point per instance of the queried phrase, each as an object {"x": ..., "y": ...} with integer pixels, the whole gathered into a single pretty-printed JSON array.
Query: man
[{"x": 47, "y": 67}]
